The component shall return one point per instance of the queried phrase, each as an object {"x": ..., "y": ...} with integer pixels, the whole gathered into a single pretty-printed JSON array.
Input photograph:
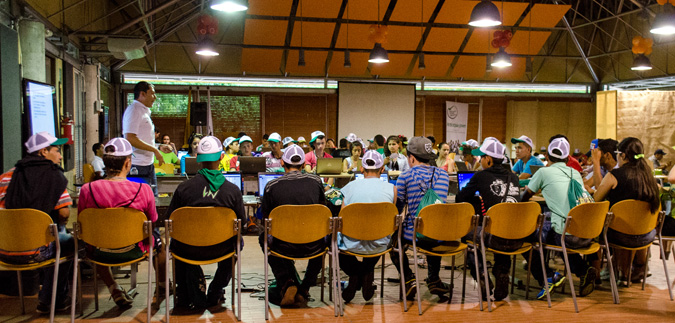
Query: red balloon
[{"x": 495, "y": 43}]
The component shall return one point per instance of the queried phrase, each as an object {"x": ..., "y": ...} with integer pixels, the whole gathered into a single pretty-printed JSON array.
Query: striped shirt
[
  {"x": 411, "y": 186},
  {"x": 64, "y": 199}
]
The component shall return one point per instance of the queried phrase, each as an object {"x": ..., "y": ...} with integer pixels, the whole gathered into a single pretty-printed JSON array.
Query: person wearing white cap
[
  {"x": 370, "y": 189},
  {"x": 302, "y": 142},
  {"x": 208, "y": 188},
  {"x": 139, "y": 130},
  {"x": 554, "y": 182},
  {"x": 318, "y": 143},
  {"x": 472, "y": 162},
  {"x": 231, "y": 145},
  {"x": 293, "y": 188},
  {"x": 37, "y": 182},
  {"x": 245, "y": 149},
  {"x": 116, "y": 191},
  {"x": 493, "y": 185},
  {"x": 411, "y": 187},
  {"x": 287, "y": 142},
  {"x": 273, "y": 157},
  {"x": 524, "y": 148}
]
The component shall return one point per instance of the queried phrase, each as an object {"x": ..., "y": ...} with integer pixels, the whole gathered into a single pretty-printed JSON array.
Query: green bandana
[{"x": 215, "y": 178}]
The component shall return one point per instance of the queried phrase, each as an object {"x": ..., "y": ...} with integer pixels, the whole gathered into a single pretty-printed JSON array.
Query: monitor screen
[
  {"x": 383, "y": 177},
  {"x": 263, "y": 179},
  {"x": 463, "y": 178},
  {"x": 234, "y": 178},
  {"x": 40, "y": 112},
  {"x": 181, "y": 153}
]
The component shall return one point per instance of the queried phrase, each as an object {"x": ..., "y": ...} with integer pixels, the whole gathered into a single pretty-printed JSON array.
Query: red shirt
[
  {"x": 310, "y": 158},
  {"x": 574, "y": 163}
]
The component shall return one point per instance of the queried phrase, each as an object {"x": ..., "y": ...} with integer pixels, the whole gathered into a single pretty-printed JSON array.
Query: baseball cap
[
  {"x": 523, "y": 139},
  {"x": 422, "y": 147},
  {"x": 291, "y": 152},
  {"x": 490, "y": 147},
  {"x": 542, "y": 149},
  {"x": 275, "y": 137},
  {"x": 375, "y": 157},
  {"x": 351, "y": 137},
  {"x": 560, "y": 144},
  {"x": 659, "y": 151},
  {"x": 118, "y": 147},
  {"x": 245, "y": 138},
  {"x": 41, "y": 140},
  {"x": 301, "y": 139},
  {"x": 316, "y": 134},
  {"x": 594, "y": 143},
  {"x": 209, "y": 149},
  {"x": 287, "y": 141},
  {"x": 229, "y": 141}
]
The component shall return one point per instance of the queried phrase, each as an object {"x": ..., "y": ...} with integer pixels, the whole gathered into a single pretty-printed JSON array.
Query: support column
[
  {"x": 32, "y": 40},
  {"x": 91, "y": 104},
  {"x": 10, "y": 98}
]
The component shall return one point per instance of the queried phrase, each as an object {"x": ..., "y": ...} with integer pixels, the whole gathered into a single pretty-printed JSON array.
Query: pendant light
[
  {"x": 501, "y": 59},
  {"x": 420, "y": 57},
  {"x": 641, "y": 63},
  {"x": 229, "y": 5},
  {"x": 206, "y": 47},
  {"x": 301, "y": 53},
  {"x": 378, "y": 55},
  {"x": 348, "y": 61},
  {"x": 664, "y": 23},
  {"x": 485, "y": 14}
]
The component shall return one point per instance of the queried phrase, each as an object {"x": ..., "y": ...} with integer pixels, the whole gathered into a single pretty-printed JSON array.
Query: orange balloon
[
  {"x": 649, "y": 41},
  {"x": 636, "y": 40},
  {"x": 635, "y": 50},
  {"x": 648, "y": 51},
  {"x": 662, "y": 2}
]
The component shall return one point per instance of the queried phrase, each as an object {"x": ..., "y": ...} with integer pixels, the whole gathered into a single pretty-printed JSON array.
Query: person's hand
[
  {"x": 160, "y": 158},
  {"x": 596, "y": 153},
  {"x": 386, "y": 160}
]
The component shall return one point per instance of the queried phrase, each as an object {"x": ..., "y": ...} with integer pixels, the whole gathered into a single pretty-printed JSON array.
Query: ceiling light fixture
[
  {"x": 301, "y": 57},
  {"x": 206, "y": 47},
  {"x": 501, "y": 59},
  {"x": 485, "y": 14},
  {"x": 378, "y": 54},
  {"x": 229, "y": 5},
  {"x": 348, "y": 61},
  {"x": 420, "y": 61},
  {"x": 664, "y": 23},
  {"x": 641, "y": 63},
  {"x": 420, "y": 57}
]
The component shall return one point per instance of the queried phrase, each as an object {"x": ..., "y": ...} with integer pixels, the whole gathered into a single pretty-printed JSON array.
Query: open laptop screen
[
  {"x": 383, "y": 177},
  {"x": 463, "y": 178},
  {"x": 263, "y": 179},
  {"x": 234, "y": 178}
]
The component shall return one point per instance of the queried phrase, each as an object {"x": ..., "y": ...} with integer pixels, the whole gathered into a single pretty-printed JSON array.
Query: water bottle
[{"x": 133, "y": 171}]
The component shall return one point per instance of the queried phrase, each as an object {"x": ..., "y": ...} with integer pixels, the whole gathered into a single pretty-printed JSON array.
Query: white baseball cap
[
  {"x": 491, "y": 147},
  {"x": 375, "y": 157},
  {"x": 523, "y": 139},
  {"x": 560, "y": 144},
  {"x": 275, "y": 137},
  {"x": 118, "y": 147},
  {"x": 245, "y": 138},
  {"x": 287, "y": 141},
  {"x": 292, "y": 151},
  {"x": 316, "y": 134},
  {"x": 229, "y": 141},
  {"x": 43, "y": 140},
  {"x": 351, "y": 137},
  {"x": 209, "y": 149},
  {"x": 301, "y": 139}
]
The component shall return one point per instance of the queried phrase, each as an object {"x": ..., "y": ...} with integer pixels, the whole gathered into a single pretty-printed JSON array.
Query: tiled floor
[{"x": 650, "y": 305}]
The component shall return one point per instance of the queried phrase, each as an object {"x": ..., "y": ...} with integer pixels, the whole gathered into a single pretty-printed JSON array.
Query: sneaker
[
  {"x": 367, "y": 287},
  {"x": 587, "y": 282},
  {"x": 60, "y": 306},
  {"x": 501, "y": 286},
  {"x": 121, "y": 298},
  {"x": 289, "y": 295},
  {"x": 553, "y": 282},
  {"x": 350, "y": 291},
  {"x": 438, "y": 287},
  {"x": 410, "y": 289}
]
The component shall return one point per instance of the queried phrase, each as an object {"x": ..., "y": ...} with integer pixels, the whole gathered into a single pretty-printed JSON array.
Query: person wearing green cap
[
  {"x": 231, "y": 145},
  {"x": 207, "y": 188},
  {"x": 273, "y": 157}
]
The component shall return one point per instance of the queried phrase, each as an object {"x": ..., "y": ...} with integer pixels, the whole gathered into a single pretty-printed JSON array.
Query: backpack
[
  {"x": 430, "y": 197},
  {"x": 576, "y": 194}
]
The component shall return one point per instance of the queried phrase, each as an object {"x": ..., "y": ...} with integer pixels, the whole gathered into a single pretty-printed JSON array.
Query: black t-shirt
[
  {"x": 624, "y": 189},
  {"x": 495, "y": 185}
]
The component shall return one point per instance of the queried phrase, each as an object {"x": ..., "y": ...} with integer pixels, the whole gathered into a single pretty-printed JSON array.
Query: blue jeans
[{"x": 147, "y": 174}]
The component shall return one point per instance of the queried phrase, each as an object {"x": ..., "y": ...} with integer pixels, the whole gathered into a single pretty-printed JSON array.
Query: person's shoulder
[
  {"x": 534, "y": 161},
  {"x": 267, "y": 154}
]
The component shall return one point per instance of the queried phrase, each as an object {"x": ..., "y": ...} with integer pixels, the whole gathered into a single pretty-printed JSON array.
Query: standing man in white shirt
[
  {"x": 139, "y": 130},
  {"x": 97, "y": 163}
]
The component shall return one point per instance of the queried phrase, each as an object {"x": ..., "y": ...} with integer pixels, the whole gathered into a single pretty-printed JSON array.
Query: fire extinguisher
[{"x": 67, "y": 129}]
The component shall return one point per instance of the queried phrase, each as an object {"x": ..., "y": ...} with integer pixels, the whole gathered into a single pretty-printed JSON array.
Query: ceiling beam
[
  {"x": 289, "y": 35},
  {"x": 425, "y": 33},
  {"x": 336, "y": 32},
  {"x": 140, "y": 18}
]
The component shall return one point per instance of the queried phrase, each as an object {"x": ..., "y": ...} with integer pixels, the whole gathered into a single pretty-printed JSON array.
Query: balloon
[
  {"x": 504, "y": 42},
  {"x": 634, "y": 50},
  {"x": 508, "y": 34},
  {"x": 650, "y": 41},
  {"x": 495, "y": 43},
  {"x": 648, "y": 51},
  {"x": 636, "y": 40},
  {"x": 662, "y": 2}
]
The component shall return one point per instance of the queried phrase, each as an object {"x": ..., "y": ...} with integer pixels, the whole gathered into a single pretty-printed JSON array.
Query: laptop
[
  {"x": 263, "y": 179},
  {"x": 461, "y": 166},
  {"x": 328, "y": 166},
  {"x": 252, "y": 165},
  {"x": 534, "y": 169},
  {"x": 191, "y": 165},
  {"x": 234, "y": 178},
  {"x": 383, "y": 177},
  {"x": 463, "y": 178}
]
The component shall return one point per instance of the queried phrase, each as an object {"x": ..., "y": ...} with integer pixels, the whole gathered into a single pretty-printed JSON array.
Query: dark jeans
[
  {"x": 502, "y": 262},
  {"x": 434, "y": 262},
  {"x": 578, "y": 265},
  {"x": 631, "y": 241},
  {"x": 668, "y": 227},
  {"x": 353, "y": 267},
  {"x": 147, "y": 174}
]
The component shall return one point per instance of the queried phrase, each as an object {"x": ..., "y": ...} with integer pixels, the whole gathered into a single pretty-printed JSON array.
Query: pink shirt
[{"x": 310, "y": 158}]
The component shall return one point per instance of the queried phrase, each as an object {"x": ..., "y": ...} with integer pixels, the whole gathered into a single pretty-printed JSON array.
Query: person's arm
[
  {"x": 597, "y": 172},
  {"x": 607, "y": 184},
  {"x": 527, "y": 195},
  {"x": 671, "y": 177},
  {"x": 140, "y": 144},
  {"x": 64, "y": 214},
  {"x": 345, "y": 166},
  {"x": 524, "y": 176}
]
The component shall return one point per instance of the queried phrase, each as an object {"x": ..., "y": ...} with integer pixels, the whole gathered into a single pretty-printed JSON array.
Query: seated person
[
  {"x": 472, "y": 162},
  {"x": 166, "y": 140},
  {"x": 443, "y": 161},
  {"x": 632, "y": 180},
  {"x": 288, "y": 141},
  {"x": 294, "y": 188},
  {"x": 97, "y": 162},
  {"x": 571, "y": 162},
  {"x": 493, "y": 185},
  {"x": 168, "y": 155},
  {"x": 116, "y": 191},
  {"x": 656, "y": 161},
  {"x": 603, "y": 158},
  {"x": 370, "y": 189},
  {"x": 553, "y": 182},
  {"x": 525, "y": 160},
  {"x": 273, "y": 157},
  {"x": 318, "y": 143},
  {"x": 37, "y": 182},
  {"x": 207, "y": 188},
  {"x": 245, "y": 149},
  {"x": 231, "y": 146},
  {"x": 353, "y": 163},
  {"x": 192, "y": 150},
  {"x": 264, "y": 143},
  {"x": 393, "y": 158}
]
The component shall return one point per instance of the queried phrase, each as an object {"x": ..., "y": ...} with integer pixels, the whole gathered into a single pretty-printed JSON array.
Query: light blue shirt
[
  {"x": 366, "y": 190},
  {"x": 518, "y": 168}
]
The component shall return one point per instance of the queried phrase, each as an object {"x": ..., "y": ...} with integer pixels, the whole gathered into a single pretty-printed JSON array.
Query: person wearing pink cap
[{"x": 294, "y": 188}]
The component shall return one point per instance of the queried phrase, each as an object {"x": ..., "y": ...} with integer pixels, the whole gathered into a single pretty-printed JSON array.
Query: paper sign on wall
[{"x": 456, "y": 116}]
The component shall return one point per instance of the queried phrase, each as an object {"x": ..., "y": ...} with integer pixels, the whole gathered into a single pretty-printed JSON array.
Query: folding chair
[
  {"x": 28, "y": 229},
  {"x": 88, "y": 172},
  {"x": 634, "y": 218},
  {"x": 368, "y": 221},
  {"x": 299, "y": 224},
  {"x": 586, "y": 221},
  {"x": 514, "y": 221},
  {"x": 444, "y": 222},
  {"x": 113, "y": 228},
  {"x": 204, "y": 227}
]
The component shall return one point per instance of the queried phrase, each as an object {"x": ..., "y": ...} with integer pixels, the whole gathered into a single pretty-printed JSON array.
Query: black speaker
[{"x": 198, "y": 113}]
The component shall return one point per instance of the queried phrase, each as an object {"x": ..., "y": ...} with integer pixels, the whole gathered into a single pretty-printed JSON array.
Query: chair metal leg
[
  {"x": 95, "y": 287},
  {"x": 150, "y": 267},
  {"x": 513, "y": 273},
  {"x": 23, "y": 306},
  {"x": 323, "y": 272},
  {"x": 73, "y": 298},
  {"x": 612, "y": 278},
  {"x": 543, "y": 269},
  {"x": 569, "y": 278},
  {"x": 79, "y": 292},
  {"x": 466, "y": 252},
  {"x": 630, "y": 269},
  {"x": 166, "y": 283},
  {"x": 529, "y": 273},
  {"x": 417, "y": 283},
  {"x": 338, "y": 304},
  {"x": 330, "y": 279},
  {"x": 54, "y": 283},
  {"x": 480, "y": 292},
  {"x": 665, "y": 268},
  {"x": 452, "y": 277},
  {"x": 401, "y": 276},
  {"x": 267, "y": 298},
  {"x": 382, "y": 278},
  {"x": 646, "y": 267},
  {"x": 487, "y": 280}
]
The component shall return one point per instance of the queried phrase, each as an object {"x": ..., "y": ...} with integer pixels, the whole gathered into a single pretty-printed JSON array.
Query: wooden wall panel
[{"x": 300, "y": 114}]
